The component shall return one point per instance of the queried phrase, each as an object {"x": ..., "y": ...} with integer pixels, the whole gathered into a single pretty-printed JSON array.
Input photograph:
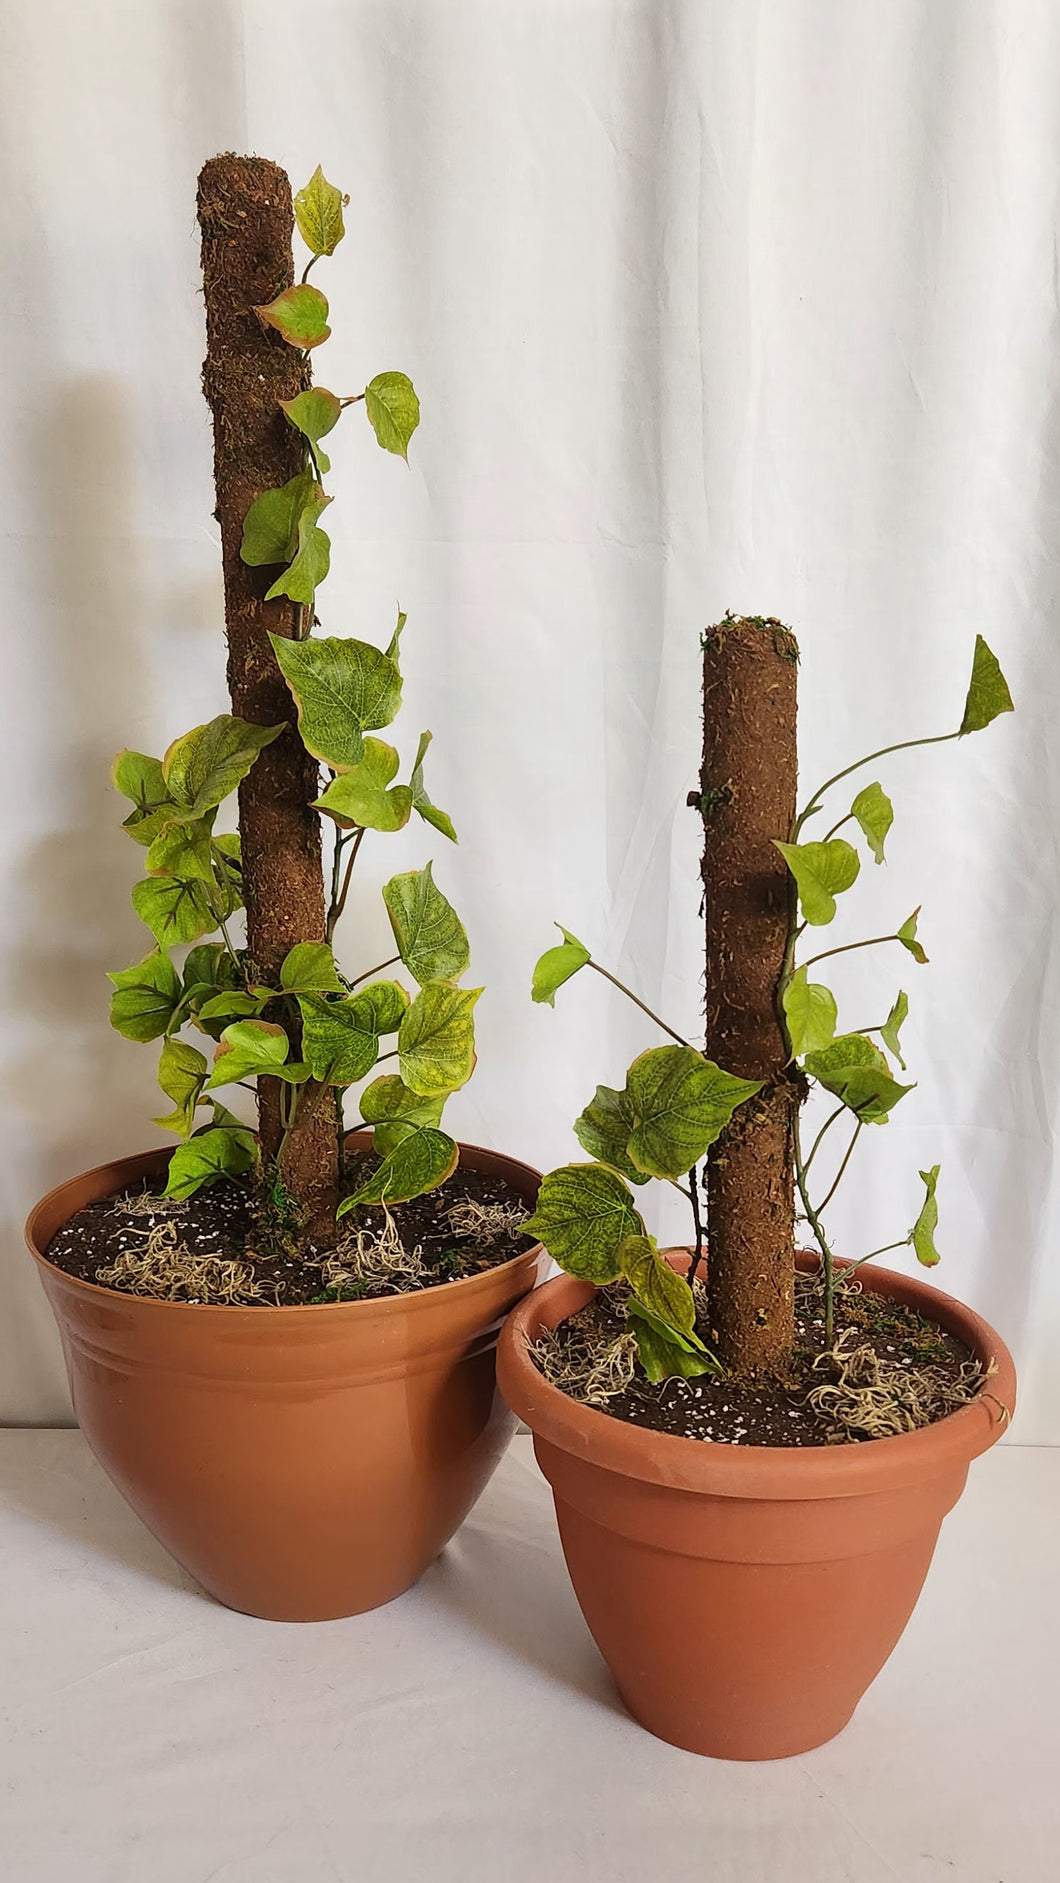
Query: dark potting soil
[
  {"x": 894, "y": 1371},
  {"x": 220, "y": 1223}
]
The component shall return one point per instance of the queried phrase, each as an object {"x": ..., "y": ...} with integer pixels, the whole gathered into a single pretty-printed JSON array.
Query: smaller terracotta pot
[
  {"x": 303, "y": 1463},
  {"x": 744, "y": 1597}
]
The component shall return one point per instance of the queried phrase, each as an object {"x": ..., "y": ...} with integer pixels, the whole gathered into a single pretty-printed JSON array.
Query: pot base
[
  {"x": 303, "y": 1463},
  {"x": 744, "y": 1597}
]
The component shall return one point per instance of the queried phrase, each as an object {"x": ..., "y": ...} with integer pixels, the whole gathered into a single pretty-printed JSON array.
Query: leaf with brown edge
[{"x": 299, "y": 315}]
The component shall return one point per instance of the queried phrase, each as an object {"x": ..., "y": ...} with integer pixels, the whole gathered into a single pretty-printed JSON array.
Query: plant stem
[
  {"x": 693, "y": 1185},
  {"x": 830, "y": 1120},
  {"x": 356, "y": 982},
  {"x": 623, "y": 989},
  {"x": 874, "y": 941},
  {"x": 337, "y": 907},
  {"x": 821, "y": 1207},
  {"x": 904, "y": 745},
  {"x": 873, "y": 1253},
  {"x": 827, "y": 1258},
  {"x": 839, "y": 826}
]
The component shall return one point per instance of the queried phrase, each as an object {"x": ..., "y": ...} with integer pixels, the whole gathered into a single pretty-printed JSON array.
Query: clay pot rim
[
  {"x": 414, "y": 1301},
  {"x": 754, "y": 1471}
]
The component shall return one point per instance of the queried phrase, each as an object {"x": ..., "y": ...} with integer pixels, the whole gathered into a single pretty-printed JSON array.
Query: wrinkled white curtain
[{"x": 715, "y": 304}]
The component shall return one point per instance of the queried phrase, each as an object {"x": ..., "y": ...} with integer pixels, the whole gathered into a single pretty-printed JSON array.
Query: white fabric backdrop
[{"x": 709, "y": 305}]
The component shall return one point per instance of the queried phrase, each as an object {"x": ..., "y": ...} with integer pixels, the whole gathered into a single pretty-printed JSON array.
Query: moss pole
[
  {"x": 246, "y": 217},
  {"x": 748, "y": 786}
]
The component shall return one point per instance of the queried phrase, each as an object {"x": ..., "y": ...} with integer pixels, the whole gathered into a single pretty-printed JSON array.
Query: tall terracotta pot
[
  {"x": 304, "y": 1462},
  {"x": 744, "y": 1597}
]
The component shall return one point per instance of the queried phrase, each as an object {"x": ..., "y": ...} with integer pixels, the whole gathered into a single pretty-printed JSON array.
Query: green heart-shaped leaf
[
  {"x": 249, "y": 1049},
  {"x": 205, "y": 765},
  {"x": 419, "y": 1162},
  {"x": 299, "y": 314},
  {"x": 175, "y": 911},
  {"x": 393, "y": 410},
  {"x": 873, "y": 810},
  {"x": 658, "y": 1287},
  {"x": 395, "y": 1111},
  {"x": 604, "y": 1130},
  {"x": 922, "y": 1234},
  {"x": 584, "y": 1214},
  {"x": 145, "y": 997},
  {"x": 310, "y": 968},
  {"x": 907, "y": 937},
  {"x": 821, "y": 871},
  {"x": 203, "y": 1159},
  {"x": 360, "y": 798},
  {"x": 891, "y": 1027},
  {"x": 421, "y": 803},
  {"x": 988, "y": 693},
  {"x": 681, "y": 1103},
  {"x": 318, "y": 213},
  {"x": 557, "y": 966},
  {"x": 314, "y": 413},
  {"x": 312, "y": 558},
  {"x": 662, "y": 1354},
  {"x": 436, "y": 1039},
  {"x": 182, "y": 1074},
  {"x": 342, "y": 689},
  {"x": 429, "y": 934},
  {"x": 857, "y": 1072},
  {"x": 811, "y": 1014},
  {"x": 270, "y": 527}
]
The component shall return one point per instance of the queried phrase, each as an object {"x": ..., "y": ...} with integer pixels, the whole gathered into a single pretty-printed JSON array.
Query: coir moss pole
[
  {"x": 247, "y": 220},
  {"x": 748, "y": 786}
]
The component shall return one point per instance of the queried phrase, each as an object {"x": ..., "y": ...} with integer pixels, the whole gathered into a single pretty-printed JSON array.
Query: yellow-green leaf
[
  {"x": 907, "y": 937},
  {"x": 394, "y": 1111},
  {"x": 183, "y": 849},
  {"x": 436, "y": 1039},
  {"x": 340, "y": 1038},
  {"x": 270, "y": 527},
  {"x": 310, "y": 968},
  {"x": 342, "y": 689},
  {"x": 557, "y": 965},
  {"x": 393, "y": 411},
  {"x": 205, "y": 765},
  {"x": 299, "y": 314},
  {"x": 421, "y": 803},
  {"x": 604, "y": 1130},
  {"x": 312, "y": 561},
  {"x": 657, "y": 1286},
  {"x": 359, "y": 797},
  {"x": 821, "y": 871},
  {"x": 922, "y": 1234},
  {"x": 811, "y": 1014},
  {"x": 218, "y": 1152},
  {"x": 680, "y": 1104},
  {"x": 182, "y": 1074},
  {"x": 314, "y": 413},
  {"x": 249, "y": 1048},
  {"x": 145, "y": 997},
  {"x": 891, "y": 1027},
  {"x": 663, "y": 1354},
  {"x": 584, "y": 1214},
  {"x": 318, "y": 213},
  {"x": 140, "y": 778},
  {"x": 429, "y": 934},
  {"x": 988, "y": 693},
  {"x": 419, "y": 1162},
  {"x": 174, "y": 911},
  {"x": 857, "y": 1072},
  {"x": 872, "y": 809}
]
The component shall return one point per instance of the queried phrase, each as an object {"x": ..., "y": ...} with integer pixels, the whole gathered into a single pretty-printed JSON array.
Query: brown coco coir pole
[
  {"x": 247, "y": 219},
  {"x": 748, "y": 786}
]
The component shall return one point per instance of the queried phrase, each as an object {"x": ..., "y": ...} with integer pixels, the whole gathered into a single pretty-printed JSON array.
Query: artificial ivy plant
[
  {"x": 285, "y": 1020},
  {"x": 723, "y": 1123}
]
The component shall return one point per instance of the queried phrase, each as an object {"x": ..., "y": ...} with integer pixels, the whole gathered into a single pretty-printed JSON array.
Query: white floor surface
[{"x": 470, "y": 1731}]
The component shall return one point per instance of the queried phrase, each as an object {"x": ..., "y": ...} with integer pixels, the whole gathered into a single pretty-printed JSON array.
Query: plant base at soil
[{"x": 889, "y": 1370}]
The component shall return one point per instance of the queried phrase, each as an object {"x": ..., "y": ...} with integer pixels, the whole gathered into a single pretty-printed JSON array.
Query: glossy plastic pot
[
  {"x": 744, "y": 1597},
  {"x": 302, "y": 1462}
]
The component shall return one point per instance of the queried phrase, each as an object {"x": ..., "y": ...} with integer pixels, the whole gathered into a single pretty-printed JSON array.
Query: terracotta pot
[
  {"x": 304, "y": 1462},
  {"x": 744, "y": 1597}
]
